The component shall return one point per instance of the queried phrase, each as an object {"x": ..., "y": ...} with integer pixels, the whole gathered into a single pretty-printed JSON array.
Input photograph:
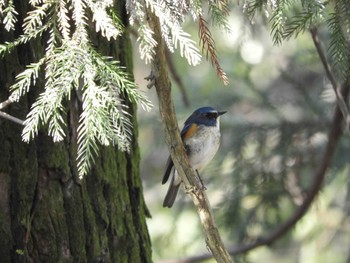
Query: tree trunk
[{"x": 46, "y": 213}]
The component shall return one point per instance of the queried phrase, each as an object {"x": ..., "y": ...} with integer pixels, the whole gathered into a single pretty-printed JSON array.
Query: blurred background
[{"x": 279, "y": 109}]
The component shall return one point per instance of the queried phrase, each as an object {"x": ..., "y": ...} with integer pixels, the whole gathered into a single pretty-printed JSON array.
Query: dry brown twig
[{"x": 208, "y": 44}]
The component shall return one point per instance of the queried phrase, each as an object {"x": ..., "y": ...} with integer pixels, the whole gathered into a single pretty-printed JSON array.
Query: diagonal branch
[
  {"x": 172, "y": 135},
  {"x": 11, "y": 118},
  {"x": 340, "y": 99}
]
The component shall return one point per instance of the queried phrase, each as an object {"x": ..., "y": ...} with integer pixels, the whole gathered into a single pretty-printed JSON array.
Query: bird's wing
[
  {"x": 187, "y": 132},
  {"x": 169, "y": 166}
]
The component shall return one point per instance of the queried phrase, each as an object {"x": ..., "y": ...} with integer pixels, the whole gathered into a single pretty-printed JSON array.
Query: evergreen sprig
[
  {"x": 146, "y": 43},
  {"x": 7, "y": 47},
  {"x": 172, "y": 29},
  {"x": 219, "y": 11},
  {"x": 26, "y": 79},
  {"x": 63, "y": 19},
  {"x": 278, "y": 20},
  {"x": 105, "y": 23},
  {"x": 253, "y": 7},
  {"x": 339, "y": 46},
  {"x": 8, "y": 12}
]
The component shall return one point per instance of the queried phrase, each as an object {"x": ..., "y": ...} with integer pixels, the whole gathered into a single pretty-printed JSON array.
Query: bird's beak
[{"x": 221, "y": 112}]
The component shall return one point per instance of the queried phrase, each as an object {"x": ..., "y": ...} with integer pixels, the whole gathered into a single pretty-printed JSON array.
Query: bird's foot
[{"x": 203, "y": 188}]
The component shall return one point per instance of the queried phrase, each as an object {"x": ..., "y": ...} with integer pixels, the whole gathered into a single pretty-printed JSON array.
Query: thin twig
[
  {"x": 4, "y": 115},
  {"x": 11, "y": 118},
  {"x": 177, "y": 151},
  {"x": 177, "y": 78},
  {"x": 340, "y": 99}
]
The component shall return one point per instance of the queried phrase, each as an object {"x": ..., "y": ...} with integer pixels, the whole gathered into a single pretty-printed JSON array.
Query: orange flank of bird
[{"x": 192, "y": 130}]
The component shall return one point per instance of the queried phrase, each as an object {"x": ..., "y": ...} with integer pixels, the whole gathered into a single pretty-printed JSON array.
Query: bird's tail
[
  {"x": 171, "y": 195},
  {"x": 172, "y": 191}
]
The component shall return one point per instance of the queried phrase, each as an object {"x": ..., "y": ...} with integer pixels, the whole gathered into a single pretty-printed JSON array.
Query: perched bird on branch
[{"x": 201, "y": 138}]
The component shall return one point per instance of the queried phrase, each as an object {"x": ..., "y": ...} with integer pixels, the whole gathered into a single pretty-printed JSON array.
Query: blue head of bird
[{"x": 205, "y": 116}]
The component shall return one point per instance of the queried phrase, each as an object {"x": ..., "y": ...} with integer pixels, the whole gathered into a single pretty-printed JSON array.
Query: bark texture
[{"x": 46, "y": 213}]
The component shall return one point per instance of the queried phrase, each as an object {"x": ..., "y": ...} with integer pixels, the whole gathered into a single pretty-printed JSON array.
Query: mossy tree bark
[{"x": 46, "y": 213}]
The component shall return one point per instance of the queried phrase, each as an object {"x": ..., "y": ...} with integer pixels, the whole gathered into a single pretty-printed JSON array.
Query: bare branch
[
  {"x": 177, "y": 151},
  {"x": 11, "y": 118},
  {"x": 340, "y": 99},
  {"x": 4, "y": 115},
  {"x": 5, "y": 103}
]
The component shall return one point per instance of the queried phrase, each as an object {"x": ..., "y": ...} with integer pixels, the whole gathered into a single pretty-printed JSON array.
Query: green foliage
[
  {"x": 339, "y": 28},
  {"x": 219, "y": 11},
  {"x": 290, "y": 18},
  {"x": 8, "y": 12}
]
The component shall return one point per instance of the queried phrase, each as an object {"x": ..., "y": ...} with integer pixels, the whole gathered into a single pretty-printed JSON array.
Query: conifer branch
[
  {"x": 22, "y": 39},
  {"x": 219, "y": 11},
  {"x": 208, "y": 44},
  {"x": 9, "y": 12},
  {"x": 104, "y": 22},
  {"x": 63, "y": 19}
]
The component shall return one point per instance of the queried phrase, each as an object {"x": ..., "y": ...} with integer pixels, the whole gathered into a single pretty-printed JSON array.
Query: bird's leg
[{"x": 200, "y": 179}]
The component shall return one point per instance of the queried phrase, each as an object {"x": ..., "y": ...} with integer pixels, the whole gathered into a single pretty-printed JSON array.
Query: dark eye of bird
[{"x": 211, "y": 115}]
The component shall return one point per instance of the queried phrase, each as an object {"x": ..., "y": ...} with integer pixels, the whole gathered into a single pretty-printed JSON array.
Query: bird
[{"x": 201, "y": 138}]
